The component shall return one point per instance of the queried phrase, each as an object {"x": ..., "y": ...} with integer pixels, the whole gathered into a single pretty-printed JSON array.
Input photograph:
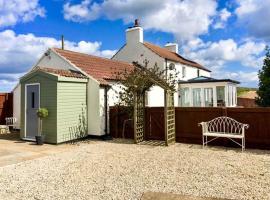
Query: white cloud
[
  {"x": 81, "y": 12},
  {"x": 15, "y": 11},
  {"x": 185, "y": 19},
  {"x": 223, "y": 17},
  {"x": 217, "y": 54},
  {"x": 254, "y": 15},
  {"x": 228, "y": 58},
  {"x": 249, "y": 79},
  {"x": 19, "y": 52}
]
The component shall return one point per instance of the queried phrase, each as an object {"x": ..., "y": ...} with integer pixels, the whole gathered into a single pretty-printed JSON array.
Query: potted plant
[{"x": 42, "y": 113}]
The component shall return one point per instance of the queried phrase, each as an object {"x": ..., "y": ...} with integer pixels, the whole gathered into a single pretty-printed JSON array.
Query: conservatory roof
[{"x": 204, "y": 79}]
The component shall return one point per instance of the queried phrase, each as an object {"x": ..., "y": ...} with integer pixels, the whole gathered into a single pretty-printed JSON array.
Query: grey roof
[{"x": 204, "y": 79}]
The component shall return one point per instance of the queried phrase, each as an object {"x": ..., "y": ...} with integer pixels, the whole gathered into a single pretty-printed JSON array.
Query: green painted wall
[
  {"x": 48, "y": 99},
  {"x": 71, "y": 111},
  {"x": 65, "y": 99}
]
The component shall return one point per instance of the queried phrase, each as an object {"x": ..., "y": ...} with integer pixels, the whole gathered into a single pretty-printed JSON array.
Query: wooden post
[
  {"x": 135, "y": 117},
  {"x": 63, "y": 44},
  {"x": 166, "y": 117}
]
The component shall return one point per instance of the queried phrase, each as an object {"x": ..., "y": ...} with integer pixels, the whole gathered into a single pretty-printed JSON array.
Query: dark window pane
[{"x": 33, "y": 100}]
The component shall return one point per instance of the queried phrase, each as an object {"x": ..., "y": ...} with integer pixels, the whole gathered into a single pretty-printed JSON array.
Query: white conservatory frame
[{"x": 230, "y": 92}]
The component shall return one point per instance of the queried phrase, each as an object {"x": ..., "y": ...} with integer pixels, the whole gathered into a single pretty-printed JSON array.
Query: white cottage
[{"x": 138, "y": 50}]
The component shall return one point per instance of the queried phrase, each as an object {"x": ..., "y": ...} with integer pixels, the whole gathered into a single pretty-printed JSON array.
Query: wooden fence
[
  {"x": 246, "y": 103},
  {"x": 187, "y": 129},
  {"x": 6, "y": 106}
]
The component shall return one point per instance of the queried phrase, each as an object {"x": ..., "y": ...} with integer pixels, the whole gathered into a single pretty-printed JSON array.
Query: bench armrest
[{"x": 204, "y": 126}]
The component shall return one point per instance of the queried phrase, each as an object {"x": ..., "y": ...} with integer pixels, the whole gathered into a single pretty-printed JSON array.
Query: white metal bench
[
  {"x": 10, "y": 121},
  {"x": 225, "y": 127}
]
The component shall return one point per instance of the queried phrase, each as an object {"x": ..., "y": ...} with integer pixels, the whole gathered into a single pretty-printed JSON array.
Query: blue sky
[{"x": 227, "y": 37}]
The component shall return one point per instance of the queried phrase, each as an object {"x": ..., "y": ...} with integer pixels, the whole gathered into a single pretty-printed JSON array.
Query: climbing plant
[{"x": 140, "y": 79}]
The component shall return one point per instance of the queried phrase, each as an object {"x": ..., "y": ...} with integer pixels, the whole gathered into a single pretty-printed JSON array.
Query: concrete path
[
  {"x": 13, "y": 150},
  {"x": 168, "y": 196}
]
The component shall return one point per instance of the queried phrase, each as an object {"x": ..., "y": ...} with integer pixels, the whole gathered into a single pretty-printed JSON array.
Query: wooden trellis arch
[{"x": 169, "y": 112}]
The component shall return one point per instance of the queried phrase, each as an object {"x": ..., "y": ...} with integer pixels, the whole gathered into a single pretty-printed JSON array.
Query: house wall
[
  {"x": 93, "y": 102},
  {"x": 17, "y": 106},
  {"x": 71, "y": 110},
  {"x": 134, "y": 50},
  {"x": 191, "y": 72},
  {"x": 48, "y": 99},
  {"x": 137, "y": 52},
  {"x": 102, "y": 112},
  {"x": 54, "y": 61},
  {"x": 113, "y": 93}
]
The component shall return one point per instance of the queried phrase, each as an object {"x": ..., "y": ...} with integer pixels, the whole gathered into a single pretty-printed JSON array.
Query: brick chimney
[
  {"x": 134, "y": 34},
  {"x": 172, "y": 47}
]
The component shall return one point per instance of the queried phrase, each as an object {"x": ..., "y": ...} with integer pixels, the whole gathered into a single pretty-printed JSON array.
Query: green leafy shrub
[{"x": 42, "y": 113}]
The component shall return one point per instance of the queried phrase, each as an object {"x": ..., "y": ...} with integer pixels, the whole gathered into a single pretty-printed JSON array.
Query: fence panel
[
  {"x": 187, "y": 129},
  {"x": 119, "y": 118},
  {"x": 246, "y": 103},
  {"x": 6, "y": 106},
  {"x": 258, "y": 133},
  {"x": 187, "y": 119},
  {"x": 154, "y": 123}
]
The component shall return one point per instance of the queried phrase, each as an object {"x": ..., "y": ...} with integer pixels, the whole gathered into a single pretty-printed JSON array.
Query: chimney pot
[
  {"x": 136, "y": 23},
  {"x": 134, "y": 35}
]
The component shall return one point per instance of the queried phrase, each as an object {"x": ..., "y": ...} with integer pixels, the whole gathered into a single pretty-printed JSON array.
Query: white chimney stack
[
  {"x": 134, "y": 34},
  {"x": 172, "y": 47}
]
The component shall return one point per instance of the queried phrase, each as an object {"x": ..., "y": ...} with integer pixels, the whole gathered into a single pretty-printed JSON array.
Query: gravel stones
[{"x": 121, "y": 170}]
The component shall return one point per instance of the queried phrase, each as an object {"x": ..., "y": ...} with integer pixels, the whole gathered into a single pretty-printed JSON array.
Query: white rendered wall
[
  {"x": 102, "y": 112},
  {"x": 17, "y": 106},
  {"x": 155, "y": 97},
  {"x": 136, "y": 51},
  {"x": 54, "y": 61},
  {"x": 139, "y": 53},
  {"x": 93, "y": 105},
  {"x": 113, "y": 93}
]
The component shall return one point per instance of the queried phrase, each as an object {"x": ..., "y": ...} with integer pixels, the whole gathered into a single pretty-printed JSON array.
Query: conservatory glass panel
[
  {"x": 229, "y": 95},
  {"x": 220, "y": 96},
  {"x": 196, "y": 97},
  {"x": 184, "y": 97},
  {"x": 208, "y": 97}
]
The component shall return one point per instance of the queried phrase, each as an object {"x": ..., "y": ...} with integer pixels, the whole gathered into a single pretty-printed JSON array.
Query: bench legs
[
  {"x": 243, "y": 144},
  {"x": 205, "y": 142}
]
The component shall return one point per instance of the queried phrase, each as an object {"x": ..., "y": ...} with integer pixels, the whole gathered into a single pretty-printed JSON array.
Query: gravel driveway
[{"x": 113, "y": 170}]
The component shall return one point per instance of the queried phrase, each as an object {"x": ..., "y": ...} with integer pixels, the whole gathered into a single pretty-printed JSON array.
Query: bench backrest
[
  {"x": 10, "y": 121},
  {"x": 225, "y": 125}
]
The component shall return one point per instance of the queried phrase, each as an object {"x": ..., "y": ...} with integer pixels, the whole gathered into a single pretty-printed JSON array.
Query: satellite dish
[{"x": 171, "y": 66}]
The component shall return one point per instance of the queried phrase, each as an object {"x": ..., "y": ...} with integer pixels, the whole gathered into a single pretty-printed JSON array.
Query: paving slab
[
  {"x": 13, "y": 150},
  {"x": 169, "y": 196}
]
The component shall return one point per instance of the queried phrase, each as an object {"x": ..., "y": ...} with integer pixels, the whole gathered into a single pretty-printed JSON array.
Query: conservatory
[{"x": 207, "y": 92}]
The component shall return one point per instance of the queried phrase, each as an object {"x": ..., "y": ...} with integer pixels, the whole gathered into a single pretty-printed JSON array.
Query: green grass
[{"x": 242, "y": 90}]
